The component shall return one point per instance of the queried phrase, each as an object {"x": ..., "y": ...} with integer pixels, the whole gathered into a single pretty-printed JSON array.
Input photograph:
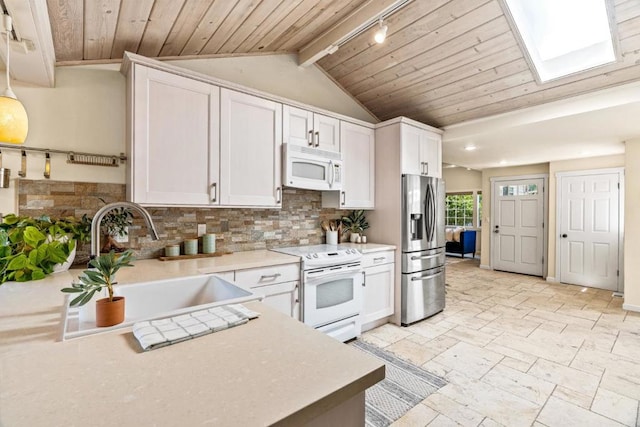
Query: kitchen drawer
[
  {"x": 252, "y": 277},
  {"x": 284, "y": 297},
  {"x": 377, "y": 258}
]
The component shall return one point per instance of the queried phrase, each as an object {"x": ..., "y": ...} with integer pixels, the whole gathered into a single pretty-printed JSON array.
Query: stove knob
[
  {"x": 308, "y": 256},
  {"x": 315, "y": 255}
]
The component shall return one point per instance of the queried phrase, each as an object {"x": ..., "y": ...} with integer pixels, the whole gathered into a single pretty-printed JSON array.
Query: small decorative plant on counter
[
  {"x": 115, "y": 224},
  {"x": 110, "y": 310},
  {"x": 31, "y": 248},
  {"x": 355, "y": 223}
]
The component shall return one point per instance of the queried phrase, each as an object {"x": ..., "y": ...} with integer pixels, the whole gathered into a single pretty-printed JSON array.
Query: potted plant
[
  {"x": 355, "y": 223},
  {"x": 114, "y": 224},
  {"x": 110, "y": 310},
  {"x": 31, "y": 248}
]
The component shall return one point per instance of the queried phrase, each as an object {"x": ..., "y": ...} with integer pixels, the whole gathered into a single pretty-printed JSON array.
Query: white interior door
[
  {"x": 589, "y": 229},
  {"x": 518, "y": 226}
]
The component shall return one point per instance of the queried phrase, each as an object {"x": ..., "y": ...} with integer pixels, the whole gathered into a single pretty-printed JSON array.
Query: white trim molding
[{"x": 631, "y": 307}]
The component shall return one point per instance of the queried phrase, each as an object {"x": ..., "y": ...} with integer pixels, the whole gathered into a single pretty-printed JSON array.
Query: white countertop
[
  {"x": 273, "y": 369},
  {"x": 367, "y": 248}
]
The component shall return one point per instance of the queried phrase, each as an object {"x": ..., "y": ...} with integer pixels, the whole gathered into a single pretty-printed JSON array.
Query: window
[
  {"x": 479, "y": 208},
  {"x": 564, "y": 37},
  {"x": 459, "y": 209},
  {"x": 518, "y": 190}
]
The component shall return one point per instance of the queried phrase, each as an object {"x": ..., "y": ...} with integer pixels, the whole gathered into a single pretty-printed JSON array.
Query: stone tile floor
[{"x": 519, "y": 351}]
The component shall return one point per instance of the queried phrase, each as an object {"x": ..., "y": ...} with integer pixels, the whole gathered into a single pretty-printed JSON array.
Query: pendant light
[
  {"x": 381, "y": 34},
  {"x": 14, "y": 123}
]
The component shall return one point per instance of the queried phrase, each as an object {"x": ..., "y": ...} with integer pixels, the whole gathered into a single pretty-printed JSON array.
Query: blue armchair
[{"x": 466, "y": 245}]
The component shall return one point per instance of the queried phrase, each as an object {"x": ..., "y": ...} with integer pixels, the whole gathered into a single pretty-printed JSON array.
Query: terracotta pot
[{"x": 109, "y": 313}]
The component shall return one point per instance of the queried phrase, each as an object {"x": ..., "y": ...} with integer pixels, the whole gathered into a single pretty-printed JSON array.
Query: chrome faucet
[{"x": 97, "y": 219}]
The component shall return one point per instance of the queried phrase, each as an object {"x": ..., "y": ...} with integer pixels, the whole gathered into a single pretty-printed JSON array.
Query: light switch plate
[
  {"x": 122, "y": 239},
  {"x": 202, "y": 229}
]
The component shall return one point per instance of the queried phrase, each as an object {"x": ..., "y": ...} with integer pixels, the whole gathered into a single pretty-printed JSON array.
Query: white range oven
[{"x": 332, "y": 279}]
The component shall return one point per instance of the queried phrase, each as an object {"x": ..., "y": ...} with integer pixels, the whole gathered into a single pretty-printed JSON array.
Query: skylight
[{"x": 564, "y": 37}]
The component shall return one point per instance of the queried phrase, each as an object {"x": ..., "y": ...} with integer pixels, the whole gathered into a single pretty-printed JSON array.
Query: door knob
[
  {"x": 496, "y": 231},
  {"x": 564, "y": 236}
]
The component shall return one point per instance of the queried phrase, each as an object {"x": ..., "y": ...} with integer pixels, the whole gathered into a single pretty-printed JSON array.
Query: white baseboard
[
  {"x": 631, "y": 307},
  {"x": 485, "y": 267},
  {"x": 552, "y": 279},
  {"x": 376, "y": 323}
]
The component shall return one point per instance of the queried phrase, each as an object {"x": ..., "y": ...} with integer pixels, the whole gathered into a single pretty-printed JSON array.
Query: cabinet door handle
[
  {"x": 317, "y": 138},
  {"x": 344, "y": 198},
  {"x": 278, "y": 195},
  {"x": 270, "y": 276},
  {"x": 364, "y": 279},
  {"x": 310, "y": 138},
  {"x": 426, "y": 164},
  {"x": 379, "y": 259},
  {"x": 214, "y": 187}
]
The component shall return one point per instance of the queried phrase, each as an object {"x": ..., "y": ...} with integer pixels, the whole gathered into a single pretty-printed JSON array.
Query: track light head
[{"x": 381, "y": 33}]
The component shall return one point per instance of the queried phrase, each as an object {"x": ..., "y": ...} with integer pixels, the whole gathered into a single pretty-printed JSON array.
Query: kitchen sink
[{"x": 156, "y": 299}]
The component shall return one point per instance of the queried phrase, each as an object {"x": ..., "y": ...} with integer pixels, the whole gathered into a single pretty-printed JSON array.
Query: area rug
[{"x": 405, "y": 385}]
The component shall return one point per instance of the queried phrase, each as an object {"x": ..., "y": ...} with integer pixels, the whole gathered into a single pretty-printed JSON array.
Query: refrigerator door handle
[
  {"x": 430, "y": 213},
  {"x": 413, "y": 258},
  {"x": 430, "y": 276}
]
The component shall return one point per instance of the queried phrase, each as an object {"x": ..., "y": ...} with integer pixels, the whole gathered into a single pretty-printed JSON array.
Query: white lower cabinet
[
  {"x": 379, "y": 270},
  {"x": 280, "y": 285},
  {"x": 284, "y": 297}
]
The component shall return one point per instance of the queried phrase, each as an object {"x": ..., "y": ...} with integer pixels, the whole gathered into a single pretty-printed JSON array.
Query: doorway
[
  {"x": 589, "y": 228},
  {"x": 518, "y": 240}
]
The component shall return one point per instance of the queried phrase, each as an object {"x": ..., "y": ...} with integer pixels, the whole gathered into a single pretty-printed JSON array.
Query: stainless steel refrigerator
[{"x": 423, "y": 248}]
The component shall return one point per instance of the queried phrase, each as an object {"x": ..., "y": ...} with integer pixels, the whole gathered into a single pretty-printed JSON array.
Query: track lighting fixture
[{"x": 381, "y": 33}]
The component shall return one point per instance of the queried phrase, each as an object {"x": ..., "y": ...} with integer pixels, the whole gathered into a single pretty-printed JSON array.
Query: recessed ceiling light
[
  {"x": 503, "y": 162},
  {"x": 470, "y": 147}
]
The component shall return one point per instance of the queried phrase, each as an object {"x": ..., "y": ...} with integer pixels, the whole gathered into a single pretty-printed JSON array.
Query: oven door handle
[
  {"x": 319, "y": 280},
  {"x": 430, "y": 276}
]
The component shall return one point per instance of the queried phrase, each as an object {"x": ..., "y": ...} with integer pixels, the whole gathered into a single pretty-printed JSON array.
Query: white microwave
[{"x": 311, "y": 168}]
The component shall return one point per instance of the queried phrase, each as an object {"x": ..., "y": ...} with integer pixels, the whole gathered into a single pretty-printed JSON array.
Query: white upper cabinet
[
  {"x": 326, "y": 131},
  {"x": 421, "y": 151},
  {"x": 174, "y": 145},
  {"x": 250, "y": 150},
  {"x": 358, "y": 154},
  {"x": 303, "y": 127}
]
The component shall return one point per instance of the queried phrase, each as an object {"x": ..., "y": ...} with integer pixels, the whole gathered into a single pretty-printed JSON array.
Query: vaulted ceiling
[{"x": 444, "y": 61}]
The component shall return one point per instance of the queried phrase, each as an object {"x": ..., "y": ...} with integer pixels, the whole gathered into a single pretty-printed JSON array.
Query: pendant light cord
[{"x": 8, "y": 27}]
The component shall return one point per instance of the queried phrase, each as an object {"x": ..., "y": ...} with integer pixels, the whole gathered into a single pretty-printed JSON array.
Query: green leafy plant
[
  {"x": 114, "y": 224},
  {"x": 31, "y": 247},
  {"x": 355, "y": 222},
  {"x": 91, "y": 281}
]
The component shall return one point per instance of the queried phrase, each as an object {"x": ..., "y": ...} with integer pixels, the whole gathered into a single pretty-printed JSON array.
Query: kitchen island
[{"x": 272, "y": 370}]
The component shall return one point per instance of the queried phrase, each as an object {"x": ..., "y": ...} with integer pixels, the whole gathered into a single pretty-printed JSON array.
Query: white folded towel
[{"x": 162, "y": 332}]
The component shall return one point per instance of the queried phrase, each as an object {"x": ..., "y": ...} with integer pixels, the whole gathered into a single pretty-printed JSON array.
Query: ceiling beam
[
  {"x": 32, "y": 56},
  {"x": 356, "y": 22}
]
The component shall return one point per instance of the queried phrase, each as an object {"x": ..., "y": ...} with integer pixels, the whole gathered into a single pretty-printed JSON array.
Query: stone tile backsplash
[{"x": 297, "y": 223}]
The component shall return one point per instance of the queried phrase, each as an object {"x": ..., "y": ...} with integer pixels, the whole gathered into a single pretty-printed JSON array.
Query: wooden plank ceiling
[{"x": 444, "y": 61}]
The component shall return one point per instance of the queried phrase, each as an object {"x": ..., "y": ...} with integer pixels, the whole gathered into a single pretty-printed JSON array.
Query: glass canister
[
  {"x": 208, "y": 243},
  {"x": 191, "y": 246}
]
